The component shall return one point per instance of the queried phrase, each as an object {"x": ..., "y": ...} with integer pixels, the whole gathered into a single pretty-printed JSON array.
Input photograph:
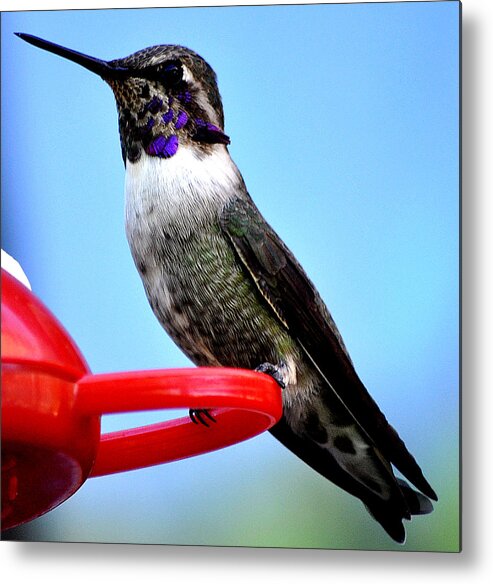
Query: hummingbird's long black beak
[{"x": 98, "y": 66}]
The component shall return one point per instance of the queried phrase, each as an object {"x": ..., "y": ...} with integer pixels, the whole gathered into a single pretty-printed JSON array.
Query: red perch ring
[{"x": 52, "y": 407}]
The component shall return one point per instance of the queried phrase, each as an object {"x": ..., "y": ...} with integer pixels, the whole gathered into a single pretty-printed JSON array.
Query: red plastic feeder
[{"x": 52, "y": 407}]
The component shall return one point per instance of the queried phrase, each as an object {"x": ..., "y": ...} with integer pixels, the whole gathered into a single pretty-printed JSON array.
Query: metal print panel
[{"x": 343, "y": 124}]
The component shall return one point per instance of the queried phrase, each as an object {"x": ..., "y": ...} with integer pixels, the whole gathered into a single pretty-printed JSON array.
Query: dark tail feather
[
  {"x": 391, "y": 523},
  {"x": 383, "y": 435},
  {"x": 402, "y": 503},
  {"x": 418, "y": 504},
  {"x": 405, "y": 462}
]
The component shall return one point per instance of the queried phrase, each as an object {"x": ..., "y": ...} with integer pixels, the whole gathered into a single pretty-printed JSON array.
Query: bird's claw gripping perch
[
  {"x": 199, "y": 417},
  {"x": 274, "y": 371}
]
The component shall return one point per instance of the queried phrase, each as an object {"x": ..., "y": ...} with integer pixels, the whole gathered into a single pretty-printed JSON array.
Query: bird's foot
[
  {"x": 274, "y": 371},
  {"x": 199, "y": 417}
]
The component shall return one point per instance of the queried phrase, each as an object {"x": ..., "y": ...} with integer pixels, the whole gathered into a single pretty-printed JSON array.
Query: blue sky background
[{"x": 344, "y": 123}]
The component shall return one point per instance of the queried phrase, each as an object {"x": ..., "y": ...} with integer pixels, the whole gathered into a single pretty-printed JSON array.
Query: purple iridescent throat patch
[{"x": 163, "y": 147}]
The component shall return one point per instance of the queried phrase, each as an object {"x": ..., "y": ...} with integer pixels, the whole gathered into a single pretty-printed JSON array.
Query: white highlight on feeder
[{"x": 14, "y": 268}]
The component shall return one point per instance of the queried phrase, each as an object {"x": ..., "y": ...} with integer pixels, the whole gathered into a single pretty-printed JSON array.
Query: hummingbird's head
[{"x": 166, "y": 96}]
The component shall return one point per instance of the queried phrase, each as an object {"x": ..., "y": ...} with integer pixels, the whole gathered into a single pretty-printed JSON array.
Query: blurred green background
[{"x": 344, "y": 121}]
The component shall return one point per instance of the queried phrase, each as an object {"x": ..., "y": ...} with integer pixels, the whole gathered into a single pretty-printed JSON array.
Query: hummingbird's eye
[{"x": 172, "y": 73}]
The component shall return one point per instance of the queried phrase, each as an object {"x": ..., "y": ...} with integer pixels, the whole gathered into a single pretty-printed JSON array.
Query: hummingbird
[{"x": 227, "y": 289}]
